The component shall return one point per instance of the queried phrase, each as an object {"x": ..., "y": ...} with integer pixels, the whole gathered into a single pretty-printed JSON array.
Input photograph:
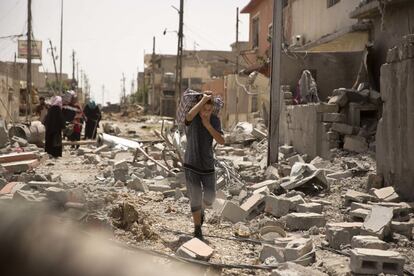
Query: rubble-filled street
[
  {"x": 310, "y": 212},
  {"x": 174, "y": 137}
]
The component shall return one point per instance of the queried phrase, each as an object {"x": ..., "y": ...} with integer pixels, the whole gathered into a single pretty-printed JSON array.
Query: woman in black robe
[
  {"x": 54, "y": 123},
  {"x": 93, "y": 116}
]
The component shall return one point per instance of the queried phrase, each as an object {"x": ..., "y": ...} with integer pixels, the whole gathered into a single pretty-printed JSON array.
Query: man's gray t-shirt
[{"x": 199, "y": 151}]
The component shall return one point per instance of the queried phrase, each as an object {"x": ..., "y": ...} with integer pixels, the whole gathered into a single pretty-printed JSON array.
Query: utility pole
[
  {"x": 237, "y": 64},
  {"x": 61, "y": 46},
  {"x": 77, "y": 72},
  {"x": 73, "y": 64},
  {"x": 29, "y": 60},
  {"x": 123, "y": 88},
  {"x": 273, "y": 143},
  {"x": 179, "y": 68},
  {"x": 54, "y": 60},
  {"x": 153, "y": 71}
]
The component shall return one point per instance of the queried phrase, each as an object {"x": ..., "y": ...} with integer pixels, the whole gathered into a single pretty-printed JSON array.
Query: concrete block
[
  {"x": 295, "y": 201},
  {"x": 386, "y": 194},
  {"x": 271, "y": 184},
  {"x": 359, "y": 214},
  {"x": 286, "y": 150},
  {"x": 264, "y": 191},
  {"x": 340, "y": 175},
  {"x": 340, "y": 234},
  {"x": 326, "y": 108},
  {"x": 233, "y": 212},
  {"x": 310, "y": 208},
  {"x": 375, "y": 262},
  {"x": 378, "y": 222},
  {"x": 403, "y": 228},
  {"x": 356, "y": 144},
  {"x": 253, "y": 203},
  {"x": 334, "y": 118},
  {"x": 277, "y": 206},
  {"x": 195, "y": 249},
  {"x": 304, "y": 221},
  {"x": 294, "y": 159},
  {"x": 370, "y": 242},
  {"x": 272, "y": 251},
  {"x": 298, "y": 248},
  {"x": 272, "y": 173},
  {"x": 218, "y": 205},
  {"x": 293, "y": 269},
  {"x": 343, "y": 128}
]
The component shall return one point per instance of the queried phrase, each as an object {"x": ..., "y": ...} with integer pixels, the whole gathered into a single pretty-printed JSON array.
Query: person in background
[
  {"x": 93, "y": 116},
  {"x": 77, "y": 121},
  {"x": 41, "y": 109},
  {"x": 202, "y": 128},
  {"x": 54, "y": 123}
]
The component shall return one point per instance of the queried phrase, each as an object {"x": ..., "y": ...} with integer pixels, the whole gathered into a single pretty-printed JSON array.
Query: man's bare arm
[{"x": 196, "y": 109}]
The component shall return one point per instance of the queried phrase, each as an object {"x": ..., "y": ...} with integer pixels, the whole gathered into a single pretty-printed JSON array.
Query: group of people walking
[{"x": 65, "y": 118}]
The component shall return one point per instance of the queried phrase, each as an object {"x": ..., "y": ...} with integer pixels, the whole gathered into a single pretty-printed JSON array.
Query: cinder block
[
  {"x": 403, "y": 228},
  {"x": 387, "y": 194},
  {"x": 277, "y": 206},
  {"x": 286, "y": 149},
  {"x": 272, "y": 251},
  {"x": 255, "y": 202},
  {"x": 370, "y": 242},
  {"x": 359, "y": 214},
  {"x": 295, "y": 201},
  {"x": 340, "y": 234},
  {"x": 355, "y": 196},
  {"x": 298, "y": 248},
  {"x": 310, "y": 208},
  {"x": 271, "y": 184},
  {"x": 233, "y": 212},
  {"x": 304, "y": 221},
  {"x": 374, "y": 262},
  {"x": 195, "y": 249},
  {"x": 378, "y": 222}
]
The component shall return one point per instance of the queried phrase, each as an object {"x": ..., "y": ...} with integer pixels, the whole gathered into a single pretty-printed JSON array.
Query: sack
[{"x": 189, "y": 99}]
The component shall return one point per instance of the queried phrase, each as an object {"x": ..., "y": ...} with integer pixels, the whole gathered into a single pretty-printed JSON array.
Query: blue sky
[{"x": 110, "y": 36}]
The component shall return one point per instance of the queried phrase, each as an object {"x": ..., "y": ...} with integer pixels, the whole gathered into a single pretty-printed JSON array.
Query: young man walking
[{"x": 202, "y": 127}]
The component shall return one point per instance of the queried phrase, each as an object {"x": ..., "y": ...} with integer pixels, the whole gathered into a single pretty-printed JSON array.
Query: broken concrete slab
[
  {"x": 359, "y": 214},
  {"x": 375, "y": 262},
  {"x": 195, "y": 249},
  {"x": 340, "y": 175},
  {"x": 343, "y": 128},
  {"x": 355, "y": 144},
  {"x": 370, "y": 242},
  {"x": 378, "y": 222},
  {"x": 277, "y": 206},
  {"x": 295, "y": 159},
  {"x": 295, "y": 201},
  {"x": 271, "y": 184},
  {"x": 293, "y": 269},
  {"x": 304, "y": 221},
  {"x": 233, "y": 212},
  {"x": 387, "y": 194},
  {"x": 355, "y": 196},
  {"x": 340, "y": 234},
  {"x": 303, "y": 174},
  {"x": 340, "y": 100},
  {"x": 311, "y": 207}
]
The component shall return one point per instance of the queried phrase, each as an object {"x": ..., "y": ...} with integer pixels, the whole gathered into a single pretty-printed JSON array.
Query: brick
[
  {"x": 13, "y": 187},
  {"x": 277, "y": 206},
  {"x": 195, "y": 249},
  {"x": 356, "y": 144},
  {"x": 340, "y": 234},
  {"x": 233, "y": 212},
  {"x": 370, "y": 242},
  {"x": 20, "y": 166},
  {"x": 386, "y": 194},
  {"x": 334, "y": 118},
  {"x": 16, "y": 157},
  {"x": 378, "y": 222},
  {"x": 304, "y": 221},
  {"x": 310, "y": 208},
  {"x": 343, "y": 128},
  {"x": 374, "y": 261}
]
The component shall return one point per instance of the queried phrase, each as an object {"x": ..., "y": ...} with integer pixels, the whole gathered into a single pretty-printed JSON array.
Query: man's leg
[
  {"x": 194, "y": 191},
  {"x": 209, "y": 192}
]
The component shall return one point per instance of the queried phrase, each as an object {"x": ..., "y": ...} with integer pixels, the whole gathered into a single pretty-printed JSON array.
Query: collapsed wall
[{"x": 395, "y": 134}]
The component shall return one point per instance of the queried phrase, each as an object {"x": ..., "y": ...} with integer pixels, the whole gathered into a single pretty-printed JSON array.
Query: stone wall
[{"x": 395, "y": 134}]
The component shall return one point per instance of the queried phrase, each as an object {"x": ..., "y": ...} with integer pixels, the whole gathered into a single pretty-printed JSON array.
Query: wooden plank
[{"x": 16, "y": 157}]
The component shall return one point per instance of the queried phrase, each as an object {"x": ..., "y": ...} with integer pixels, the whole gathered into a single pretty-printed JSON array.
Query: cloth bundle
[{"x": 189, "y": 99}]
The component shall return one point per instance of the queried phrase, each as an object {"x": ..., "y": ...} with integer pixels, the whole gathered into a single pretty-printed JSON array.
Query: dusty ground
[{"x": 160, "y": 217}]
